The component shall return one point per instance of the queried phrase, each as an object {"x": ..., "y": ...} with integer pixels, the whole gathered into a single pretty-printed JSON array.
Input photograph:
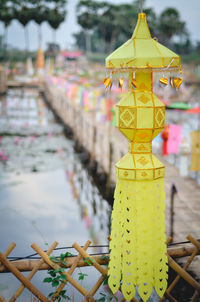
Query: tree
[
  {"x": 170, "y": 25},
  {"x": 24, "y": 14},
  {"x": 87, "y": 17},
  {"x": 39, "y": 16},
  {"x": 56, "y": 15},
  {"x": 6, "y": 16}
]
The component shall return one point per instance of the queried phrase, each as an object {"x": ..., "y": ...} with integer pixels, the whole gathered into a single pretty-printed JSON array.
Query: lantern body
[{"x": 138, "y": 252}]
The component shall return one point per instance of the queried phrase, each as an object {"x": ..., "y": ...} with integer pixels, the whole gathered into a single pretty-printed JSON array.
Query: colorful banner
[
  {"x": 90, "y": 99},
  {"x": 195, "y": 156},
  {"x": 174, "y": 139}
]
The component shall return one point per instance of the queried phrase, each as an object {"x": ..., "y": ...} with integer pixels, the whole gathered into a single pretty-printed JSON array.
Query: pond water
[{"x": 45, "y": 193}]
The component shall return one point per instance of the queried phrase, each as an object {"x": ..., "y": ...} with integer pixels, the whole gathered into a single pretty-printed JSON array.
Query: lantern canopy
[
  {"x": 143, "y": 51},
  {"x": 138, "y": 253}
]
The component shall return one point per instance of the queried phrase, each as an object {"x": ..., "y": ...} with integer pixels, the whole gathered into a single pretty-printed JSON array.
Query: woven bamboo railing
[{"x": 45, "y": 263}]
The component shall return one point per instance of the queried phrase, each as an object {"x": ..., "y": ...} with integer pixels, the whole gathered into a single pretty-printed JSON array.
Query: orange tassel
[
  {"x": 134, "y": 83},
  {"x": 121, "y": 81},
  {"x": 178, "y": 82},
  {"x": 164, "y": 81},
  {"x": 107, "y": 82}
]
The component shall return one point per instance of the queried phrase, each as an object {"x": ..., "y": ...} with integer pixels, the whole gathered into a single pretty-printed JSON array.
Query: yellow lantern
[{"x": 138, "y": 242}]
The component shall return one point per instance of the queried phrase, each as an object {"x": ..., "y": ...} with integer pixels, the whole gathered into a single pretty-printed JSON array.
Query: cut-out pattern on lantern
[{"x": 138, "y": 242}]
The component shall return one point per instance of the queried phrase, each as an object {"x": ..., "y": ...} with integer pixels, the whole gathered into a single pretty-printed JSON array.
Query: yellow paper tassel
[
  {"x": 134, "y": 83},
  {"x": 107, "y": 82},
  {"x": 138, "y": 235},
  {"x": 172, "y": 82},
  {"x": 178, "y": 82},
  {"x": 121, "y": 81},
  {"x": 164, "y": 81}
]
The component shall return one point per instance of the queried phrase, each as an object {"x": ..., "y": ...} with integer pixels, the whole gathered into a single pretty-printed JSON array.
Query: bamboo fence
[{"x": 45, "y": 263}]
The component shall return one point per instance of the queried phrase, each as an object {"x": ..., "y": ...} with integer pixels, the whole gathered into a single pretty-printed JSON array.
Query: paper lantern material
[
  {"x": 138, "y": 259},
  {"x": 141, "y": 51},
  {"x": 195, "y": 158},
  {"x": 174, "y": 139}
]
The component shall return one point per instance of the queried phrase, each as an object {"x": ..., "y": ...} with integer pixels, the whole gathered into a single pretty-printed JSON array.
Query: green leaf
[
  {"x": 61, "y": 256},
  {"x": 88, "y": 260},
  {"x": 59, "y": 299},
  {"x": 64, "y": 262},
  {"x": 104, "y": 257},
  {"x": 115, "y": 298},
  {"x": 103, "y": 294},
  {"x": 52, "y": 273},
  {"x": 64, "y": 277},
  {"x": 51, "y": 294},
  {"x": 54, "y": 259},
  {"x": 55, "y": 283},
  {"x": 82, "y": 276},
  {"x": 103, "y": 299},
  {"x": 105, "y": 281},
  {"x": 68, "y": 298},
  {"x": 62, "y": 293},
  {"x": 59, "y": 270},
  {"x": 47, "y": 280},
  {"x": 68, "y": 254},
  {"x": 46, "y": 243}
]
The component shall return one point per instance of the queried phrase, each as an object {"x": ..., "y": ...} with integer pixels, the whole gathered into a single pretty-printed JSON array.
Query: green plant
[{"x": 56, "y": 276}]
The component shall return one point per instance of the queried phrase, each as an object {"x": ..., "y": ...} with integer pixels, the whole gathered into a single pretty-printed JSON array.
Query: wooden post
[{"x": 173, "y": 192}]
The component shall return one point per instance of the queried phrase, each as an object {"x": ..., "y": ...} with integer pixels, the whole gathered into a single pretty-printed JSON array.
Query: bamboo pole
[
  {"x": 28, "y": 265},
  {"x": 175, "y": 281},
  {"x": 9, "y": 249},
  {"x": 183, "y": 273},
  {"x": 73, "y": 282},
  {"x": 97, "y": 285},
  {"x": 71, "y": 270},
  {"x": 32, "y": 273},
  {"x": 22, "y": 279},
  {"x": 86, "y": 255}
]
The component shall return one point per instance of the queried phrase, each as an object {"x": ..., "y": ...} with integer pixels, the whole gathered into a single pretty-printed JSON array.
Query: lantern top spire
[{"x": 143, "y": 52}]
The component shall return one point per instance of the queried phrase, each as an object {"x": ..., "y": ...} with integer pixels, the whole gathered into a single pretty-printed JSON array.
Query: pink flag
[{"x": 174, "y": 139}]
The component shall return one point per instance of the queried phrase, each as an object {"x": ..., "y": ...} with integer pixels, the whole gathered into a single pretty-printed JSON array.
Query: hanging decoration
[
  {"x": 138, "y": 259},
  {"x": 40, "y": 63},
  {"x": 195, "y": 156}
]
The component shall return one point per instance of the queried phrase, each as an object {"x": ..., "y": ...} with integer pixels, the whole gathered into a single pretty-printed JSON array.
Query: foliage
[
  {"x": 108, "y": 25},
  {"x": 56, "y": 277}
]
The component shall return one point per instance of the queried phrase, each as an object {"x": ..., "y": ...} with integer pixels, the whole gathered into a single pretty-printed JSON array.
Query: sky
[{"x": 189, "y": 12}]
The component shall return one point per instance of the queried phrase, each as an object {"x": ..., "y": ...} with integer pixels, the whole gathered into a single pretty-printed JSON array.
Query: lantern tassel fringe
[{"x": 138, "y": 235}]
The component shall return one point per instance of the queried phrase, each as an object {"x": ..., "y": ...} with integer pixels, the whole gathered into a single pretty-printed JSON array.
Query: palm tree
[
  {"x": 24, "y": 14},
  {"x": 6, "y": 16},
  {"x": 56, "y": 15},
  {"x": 39, "y": 16}
]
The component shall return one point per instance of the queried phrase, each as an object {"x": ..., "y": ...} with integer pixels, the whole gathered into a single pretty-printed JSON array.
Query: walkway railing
[{"x": 66, "y": 266}]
